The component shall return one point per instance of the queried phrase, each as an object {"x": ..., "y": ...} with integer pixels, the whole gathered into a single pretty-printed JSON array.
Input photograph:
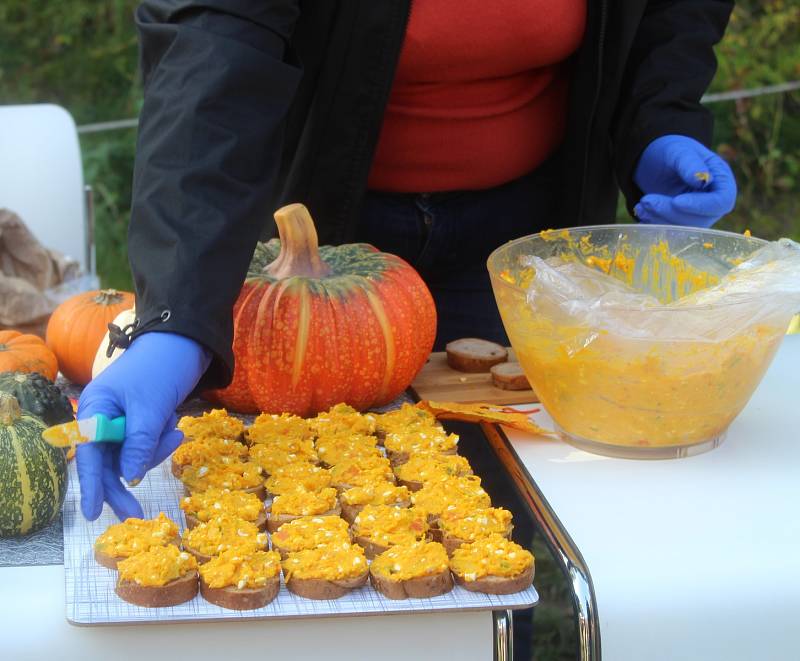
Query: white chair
[{"x": 41, "y": 178}]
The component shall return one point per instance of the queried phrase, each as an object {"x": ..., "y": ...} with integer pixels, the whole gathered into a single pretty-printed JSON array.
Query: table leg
[
  {"x": 560, "y": 543},
  {"x": 503, "y": 635}
]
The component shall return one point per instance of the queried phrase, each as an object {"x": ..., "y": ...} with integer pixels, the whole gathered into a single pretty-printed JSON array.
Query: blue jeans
[{"x": 447, "y": 237}]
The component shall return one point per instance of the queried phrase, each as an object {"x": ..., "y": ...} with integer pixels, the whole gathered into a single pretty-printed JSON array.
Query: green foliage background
[{"x": 82, "y": 55}]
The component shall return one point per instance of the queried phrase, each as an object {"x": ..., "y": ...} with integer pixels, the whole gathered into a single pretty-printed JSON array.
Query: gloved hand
[
  {"x": 146, "y": 384},
  {"x": 683, "y": 182}
]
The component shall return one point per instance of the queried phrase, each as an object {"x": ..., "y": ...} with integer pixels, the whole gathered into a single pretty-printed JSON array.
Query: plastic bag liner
[{"x": 583, "y": 302}]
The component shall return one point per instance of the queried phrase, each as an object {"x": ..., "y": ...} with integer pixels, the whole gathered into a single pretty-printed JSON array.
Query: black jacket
[{"x": 252, "y": 104}]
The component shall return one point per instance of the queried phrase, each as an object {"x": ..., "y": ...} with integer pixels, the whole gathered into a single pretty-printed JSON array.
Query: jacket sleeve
[
  {"x": 217, "y": 86},
  {"x": 670, "y": 66}
]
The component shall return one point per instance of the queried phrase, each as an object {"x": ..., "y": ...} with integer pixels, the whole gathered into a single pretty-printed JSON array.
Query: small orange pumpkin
[
  {"x": 317, "y": 326},
  {"x": 26, "y": 353},
  {"x": 77, "y": 327}
]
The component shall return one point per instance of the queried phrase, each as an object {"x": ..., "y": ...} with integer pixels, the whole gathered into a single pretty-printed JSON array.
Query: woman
[{"x": 437, "y": 132}]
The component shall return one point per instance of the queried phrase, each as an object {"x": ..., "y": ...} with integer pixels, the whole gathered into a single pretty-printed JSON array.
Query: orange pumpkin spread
[
  {"x": 343, "y": 419},
  {"x": 305, "y": 503},
  {"x": 215, "y": 425},
  {"x": 157, "y": 567},
  {"x": 232, "y": 568},
  {"x": 359, "y": 472},
  {"x": 431, "y": 467},
  {"x": 271, "y": 428},
  {"x": 387, "y": 525},
  {"x": 329, "y": 563},
  {"x": 207, "y": 450},
  {"x": 298, "y": 477},
  {"x": 376, "y": 493},
  {"x": 490, "y": 556},
  {"x": 472, "y": 524},
  {"x": 222, "y": 533},
  {"x": 136, "y": 535},
  {"x": 335, "y": 449},
  {"x": 273, "y": 456},
  {"x": 424, "y": 439},
  {"x": 454, "y": 492},
  {"x": 235, "y": 475},
  {"x": 406, "y": 418},
  {"x": 205, "y": 505},
  {"x": 407, "y": 561},
  {"x": 309, "y": 532}
]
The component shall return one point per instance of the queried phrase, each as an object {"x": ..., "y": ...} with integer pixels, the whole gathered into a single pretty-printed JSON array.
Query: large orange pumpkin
[
  {"x": 317, "y": 326},
  {"x": 26, "y": 353},
  {"x": 77, "y": 327}
]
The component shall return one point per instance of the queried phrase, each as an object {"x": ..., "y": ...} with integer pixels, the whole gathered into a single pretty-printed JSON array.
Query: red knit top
[{"x": 480, "y": 93}]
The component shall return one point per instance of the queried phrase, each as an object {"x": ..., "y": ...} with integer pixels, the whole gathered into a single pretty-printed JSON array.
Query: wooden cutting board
[{"x": 440, "y": 382}]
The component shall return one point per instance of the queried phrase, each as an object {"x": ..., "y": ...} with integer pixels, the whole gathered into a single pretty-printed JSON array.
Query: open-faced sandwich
[
  {"x": 401, "y": 446},
  {"x": 293, "y": 505},
  {"x": 375, "y": 493},
  {"x": 205, "y": 451},
  {"x": 233, "y": 475},
  {"x": 343, "y": 419},
  {"x": 333, "y": 450},
  {"x": 221, "y": 533},
  {"x": 270, "y": 428},
  {"x": 493, "y": 565},
  {"x": 360, "y": 472},
  {"x": 418, "y": 570},
  {"x": 377, "y": 527},
  {"x": 241, "y": 581},
  {"x": 162, "y": 576},
  {"x": 327, "y": 572},
  {"x": 132, "y": 536},
  {"x": 435, "y": 498},
  {"x": 407, "y": 418},
  {"x": 216, "y": 424},
  {"x": 430, "y": 467},
  {"x": 298, "y": 477},
  {"x": 206, "y": 505},
  {"x": 309, "y": 532},
  {"x": 274, "y": 456},
  {"x": 465, "y": 525}
]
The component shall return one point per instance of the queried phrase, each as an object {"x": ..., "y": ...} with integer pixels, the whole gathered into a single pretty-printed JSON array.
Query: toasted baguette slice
[
  {"x": 201, "y": 557},
  {"x": 451, "y": 543},
  {"x": 498, "y": 584},
  {"x": 399, "y": 458},
  {"x": 509, "y": 376},
  {"x": 371, "y": 549},
  {"x": 111, "y": 562},
  {"x": 317, "y": 588},
  {"x": 275, "y": 521},
  {"x": 422, "y": 587},
  {"x": 474, "y": 355},
  {"x": 173, "y": 593},
  {"x": 350, "y": 512},
  {"x": 244, "y": 599},
  {"x": 260, "y": 522}
]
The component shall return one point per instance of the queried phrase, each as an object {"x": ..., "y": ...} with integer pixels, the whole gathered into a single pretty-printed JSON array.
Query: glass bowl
[{"x": 645, "y": 374}]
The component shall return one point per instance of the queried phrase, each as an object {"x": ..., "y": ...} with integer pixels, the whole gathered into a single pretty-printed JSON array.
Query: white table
[
  {"x": 695, "y": 558},
  {"x": 33, "y": 627}
]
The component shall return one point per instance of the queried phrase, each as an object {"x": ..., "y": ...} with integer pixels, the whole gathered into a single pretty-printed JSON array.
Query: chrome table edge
[
  {"x": 560, "y": 544},
  {"x": 503, "y": 628}
]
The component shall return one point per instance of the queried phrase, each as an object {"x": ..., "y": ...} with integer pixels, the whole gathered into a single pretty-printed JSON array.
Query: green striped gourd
[{"x": 33, "y": 474}]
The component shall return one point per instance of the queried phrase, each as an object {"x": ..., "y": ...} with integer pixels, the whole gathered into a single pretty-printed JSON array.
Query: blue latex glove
[
  {"x": 146, "y": 384},
  {"x": 674, "y": 194}
]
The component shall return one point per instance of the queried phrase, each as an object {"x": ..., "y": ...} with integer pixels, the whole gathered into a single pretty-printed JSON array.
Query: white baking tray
[{"x": 91, "y": 600}]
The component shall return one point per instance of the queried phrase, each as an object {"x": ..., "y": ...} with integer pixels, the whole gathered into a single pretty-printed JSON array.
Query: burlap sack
[{"x": 30, "y": 275}]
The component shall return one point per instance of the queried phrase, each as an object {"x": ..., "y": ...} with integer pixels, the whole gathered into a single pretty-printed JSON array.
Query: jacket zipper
[{"x": 598, "y": 85}]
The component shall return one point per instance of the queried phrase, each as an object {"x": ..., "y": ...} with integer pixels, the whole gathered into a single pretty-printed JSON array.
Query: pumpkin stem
[
  {"x": 9, "y": 409},
  {"x": 108, "y": 297},
  {"x": 299, "y": 253}
]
